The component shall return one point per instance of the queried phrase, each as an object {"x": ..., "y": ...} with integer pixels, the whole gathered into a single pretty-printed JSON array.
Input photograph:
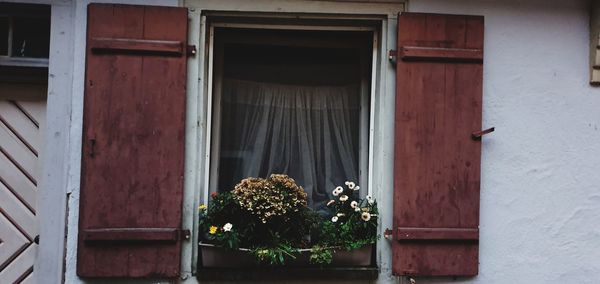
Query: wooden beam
[
  {"x": 131, "y": 235},
  {"x": 119, "y": 45},
  {"x": 433, "y": 53},
  {"x": 410, "y": 233}
]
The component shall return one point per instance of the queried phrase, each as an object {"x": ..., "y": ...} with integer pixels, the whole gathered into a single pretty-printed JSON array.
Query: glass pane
[
  {"x": 3, "y": 36},
  {"x": 31, "y": 37},
  {"x": 290, "y": 110}
]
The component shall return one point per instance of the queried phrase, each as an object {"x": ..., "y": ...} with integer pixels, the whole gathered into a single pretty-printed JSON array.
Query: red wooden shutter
[
  {"x": 437, "y": 162},
  {"x": 133, "y": 142}
]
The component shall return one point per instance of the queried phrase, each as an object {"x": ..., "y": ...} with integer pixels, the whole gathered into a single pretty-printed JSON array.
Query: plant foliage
[{"x": 271, "y": 218}]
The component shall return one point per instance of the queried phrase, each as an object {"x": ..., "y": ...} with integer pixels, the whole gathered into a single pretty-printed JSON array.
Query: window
[
  {"x": 293, "y": 102},
  {"x": 24, "y": 34}
]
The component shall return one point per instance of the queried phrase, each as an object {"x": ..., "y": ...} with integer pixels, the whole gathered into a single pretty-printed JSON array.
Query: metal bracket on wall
[
  {"x": 393, "y": 56},
  {"x": 388, "y": 234},
  {"x": 478, "y": 134},
  {"x": 191, "y": 50}
]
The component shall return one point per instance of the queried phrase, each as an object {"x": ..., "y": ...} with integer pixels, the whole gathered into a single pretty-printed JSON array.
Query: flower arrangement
[{"x": 258, "y": 212}]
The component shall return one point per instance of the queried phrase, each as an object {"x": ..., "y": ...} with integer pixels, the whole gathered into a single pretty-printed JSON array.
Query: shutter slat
[
  {"x": 437, "y": 162},
  {"x": 131, "y": 234},
  {"x": 133, "y": 142},
  {"x": 125, "y": 45},
  {"x": 454, "y": 54},
  {"x": 404, "y": 233}
]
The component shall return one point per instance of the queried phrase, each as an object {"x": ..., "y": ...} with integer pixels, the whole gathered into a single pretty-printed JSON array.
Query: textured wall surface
[{"x": 540, "y": 201}]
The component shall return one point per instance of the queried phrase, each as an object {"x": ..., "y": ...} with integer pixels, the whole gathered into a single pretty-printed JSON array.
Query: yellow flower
[
  {"x": 213, "y": 230},
  {"x": 202, "y": 207}
]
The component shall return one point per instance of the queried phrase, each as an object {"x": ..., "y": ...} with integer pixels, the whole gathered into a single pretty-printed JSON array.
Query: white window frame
[
  {"x": 10, "y": 60},
  {"x": 381, "y": 146},
  {"x": 212, "y": 92}
]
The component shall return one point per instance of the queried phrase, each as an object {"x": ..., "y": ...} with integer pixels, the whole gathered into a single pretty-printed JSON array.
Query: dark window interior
[
  {"x": 24, "y": 30},
  {"x": 3, "y": 36},
  {"x": 303, "y": 58},
  {"x": 31, "y": 37}
]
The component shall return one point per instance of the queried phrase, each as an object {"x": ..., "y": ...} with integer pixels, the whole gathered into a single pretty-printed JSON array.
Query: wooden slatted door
[
  {"x": 21, "y": 132},
  {"x": 133, "y": 142},
  {"x": 437, "y": 161}
]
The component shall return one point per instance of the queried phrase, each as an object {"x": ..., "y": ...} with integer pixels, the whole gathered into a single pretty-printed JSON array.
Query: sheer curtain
[{"x": 308, "y": 132}]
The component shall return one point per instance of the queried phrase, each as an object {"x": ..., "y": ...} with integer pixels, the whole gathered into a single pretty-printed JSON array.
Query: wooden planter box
[{"x": 218, "y": 257}]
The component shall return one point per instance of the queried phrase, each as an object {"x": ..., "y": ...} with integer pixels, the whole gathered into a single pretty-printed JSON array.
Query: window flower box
[
  {"x": 249, "y": 227},
  {"x": 218, "y": 257}
]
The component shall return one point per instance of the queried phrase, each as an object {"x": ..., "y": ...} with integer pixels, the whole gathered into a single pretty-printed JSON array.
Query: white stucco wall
[{"x": 540, "y": 194}]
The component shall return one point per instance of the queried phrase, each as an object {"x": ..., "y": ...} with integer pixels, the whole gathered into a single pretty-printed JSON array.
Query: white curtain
[{"x": 308, "y": 132}]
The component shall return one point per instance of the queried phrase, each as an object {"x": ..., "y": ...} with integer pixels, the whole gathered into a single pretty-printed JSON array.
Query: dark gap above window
[{"x": 292, "y": 65}]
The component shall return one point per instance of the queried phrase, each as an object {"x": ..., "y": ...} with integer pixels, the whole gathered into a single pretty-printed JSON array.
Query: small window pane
[
  {"x": 3, "y": 36},
  {"x": 31, "y": 37}
]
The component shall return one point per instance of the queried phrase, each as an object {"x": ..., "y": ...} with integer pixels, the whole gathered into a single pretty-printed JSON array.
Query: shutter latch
[{"x": 478, "y": 134}]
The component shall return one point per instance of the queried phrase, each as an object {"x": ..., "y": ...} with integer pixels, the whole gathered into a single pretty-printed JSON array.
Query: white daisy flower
[
  {"x": 341, "y": 214},
  {"x": 365, "y": 216},
  {"x": 370, "y": 199},
  {"x": 357, "y": 209},
  {"x": 334, "y": 219},
  {"x": 343, "y": 198},
  {"x": 353, "y": 204},
  {"x": 337, "y": 191},
  {"x": 356, "y": 188},
  {"x": 347, "y": 183},
  {"x": 351, "y": 185},
  {"x": 227, "y": 227}
]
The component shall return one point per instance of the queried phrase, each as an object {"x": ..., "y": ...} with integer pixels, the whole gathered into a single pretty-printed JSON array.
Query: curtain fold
[{"x": 308, "y": 132}]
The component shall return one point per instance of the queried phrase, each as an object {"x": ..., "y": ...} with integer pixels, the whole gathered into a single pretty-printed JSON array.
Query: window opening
[
  {"x": 293, "y": 102},
  {"x": 24, "y": 34}
]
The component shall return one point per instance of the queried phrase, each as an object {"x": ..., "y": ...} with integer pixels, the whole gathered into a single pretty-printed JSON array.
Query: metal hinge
[
  {"x": 393, "y": 56},
  {"x": 185, "y": 235},
  {"x": 191, "y": 50},
  {"x": 388, "y": 234}
]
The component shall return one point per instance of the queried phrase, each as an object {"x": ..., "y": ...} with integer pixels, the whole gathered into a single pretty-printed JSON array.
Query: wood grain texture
[
  {"x": 134, "y": 110},
  {"x": 437, "y": 164},
  {"x": 404, "y": 234},
  {"x": 432, "y": 53}
]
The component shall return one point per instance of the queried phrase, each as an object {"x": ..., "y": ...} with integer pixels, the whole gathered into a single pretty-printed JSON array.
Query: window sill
[
  {"x": 289, "y": 273},
  {"x": 23, "y": 61}
]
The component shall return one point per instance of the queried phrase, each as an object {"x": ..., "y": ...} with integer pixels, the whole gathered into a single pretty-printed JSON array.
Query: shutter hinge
[
  {"x": 185, "y": 235},
  {"x": 393, "y": 56},
  {"x": 191, "y": 50},
  {"x": 388, "y": 234}
]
